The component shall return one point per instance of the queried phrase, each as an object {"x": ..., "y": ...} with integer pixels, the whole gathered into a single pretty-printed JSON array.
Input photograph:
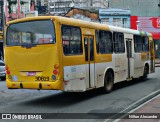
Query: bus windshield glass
[{"x": 31, "y": 33}]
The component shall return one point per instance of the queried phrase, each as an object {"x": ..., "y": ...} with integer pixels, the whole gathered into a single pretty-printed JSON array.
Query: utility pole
[
  {"x": 3, "y": 27},
  {"x": 2, "y": 23},
  {"x": 137, "y": 22},
  {"x": 3, "y": 18}
]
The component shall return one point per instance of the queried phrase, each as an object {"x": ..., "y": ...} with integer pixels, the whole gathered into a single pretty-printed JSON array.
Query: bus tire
[
  {"x": 108, "y": 82},
  {"x": 145, "y": 73}
]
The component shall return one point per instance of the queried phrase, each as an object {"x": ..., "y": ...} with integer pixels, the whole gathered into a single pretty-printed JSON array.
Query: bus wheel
[
  {"x": 145, "y": 74},
  {"x": 108, "y": 82}
]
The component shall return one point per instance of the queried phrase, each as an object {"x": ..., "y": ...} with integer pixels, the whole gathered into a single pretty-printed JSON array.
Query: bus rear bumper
[{"x": 56, "y": 85}]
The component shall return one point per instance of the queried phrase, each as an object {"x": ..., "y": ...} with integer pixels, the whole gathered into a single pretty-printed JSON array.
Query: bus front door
[
  {"x": 130, "y": 58},
  {"x": 89, "y": 59}
]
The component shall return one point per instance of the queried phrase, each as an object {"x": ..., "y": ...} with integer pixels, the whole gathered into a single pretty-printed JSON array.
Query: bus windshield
[{"x": 31, "y": 33}]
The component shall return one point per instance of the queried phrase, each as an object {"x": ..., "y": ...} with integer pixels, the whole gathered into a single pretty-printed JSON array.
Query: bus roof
[
  {"x": 75, "y": 22},
  {"x": 29, "y": 19},
  {"x": 127, "y": 30}
]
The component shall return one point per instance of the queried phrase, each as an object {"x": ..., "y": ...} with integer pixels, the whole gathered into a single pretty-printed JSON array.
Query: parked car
[{"x": 2, "y": 70}]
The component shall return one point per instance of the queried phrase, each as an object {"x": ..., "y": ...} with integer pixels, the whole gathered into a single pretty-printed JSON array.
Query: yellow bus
[{"x": 58, "y": 53}]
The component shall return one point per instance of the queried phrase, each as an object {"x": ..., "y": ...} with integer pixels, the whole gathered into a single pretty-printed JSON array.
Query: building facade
[
  {"x": 144, "y": 16},
  {"x": 61, "y": 7},
  {"x": 41, "y": 6},
  {"x": 83, "y": 14},
  {"x": 15, "y": 9},
  {"x": 138, "y": 7},
  {"x": 91, "y": 3},
  {"x": 115, "y": 17}
]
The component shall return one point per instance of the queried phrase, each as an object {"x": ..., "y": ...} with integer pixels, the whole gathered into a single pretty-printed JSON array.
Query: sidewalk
[
  {"x": 148, "y": 109},
  {"x": 157, "y": 62}
]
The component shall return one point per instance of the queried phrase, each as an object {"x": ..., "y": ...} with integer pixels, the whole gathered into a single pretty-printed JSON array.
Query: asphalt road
[{"x": 45, "y": 101}]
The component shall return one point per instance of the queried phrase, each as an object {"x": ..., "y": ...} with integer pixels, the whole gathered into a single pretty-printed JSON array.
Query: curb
[{"x": 126, "y": 111}]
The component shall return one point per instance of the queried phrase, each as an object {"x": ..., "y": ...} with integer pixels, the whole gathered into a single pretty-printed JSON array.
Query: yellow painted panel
[
  {"x": 37, "y": 58},
  {"x": 103, "y": 58},
  {"x": 86, "y": 31},
  {"x": 73, "y": 60},
  {"x": 40, "y": 59},
  {"x": 143, "y": 56}
]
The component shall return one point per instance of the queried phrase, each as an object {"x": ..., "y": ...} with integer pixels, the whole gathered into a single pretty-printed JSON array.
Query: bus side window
[
  {"x": 65, "y": 49},
  {"x": 119, "y": 46},
  {"x": 138, "y": 43},
  {"x": 71, "y": 40},
  {"x": 40, "y": 41},
  {"x": 104, "y": 42},
  {"x": 145, "y": 43},
  {"x": 97, "y": 41}
]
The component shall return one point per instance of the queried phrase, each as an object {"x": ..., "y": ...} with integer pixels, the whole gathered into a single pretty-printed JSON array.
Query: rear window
[{"x": 32, "y": 32}]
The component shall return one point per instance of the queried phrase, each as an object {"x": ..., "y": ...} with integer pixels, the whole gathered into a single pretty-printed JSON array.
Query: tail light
[
  {"x": 56, "y": 66},
  {"x": 55, "y": 72},
  {"x": 7, "y": 70}
]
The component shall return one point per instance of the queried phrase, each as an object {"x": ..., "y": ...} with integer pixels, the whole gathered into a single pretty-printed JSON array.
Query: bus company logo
[
  {"x": 6, "y": 116},
  {"x": 156, "y": 22},
  {"x": 30, "y": 73}
]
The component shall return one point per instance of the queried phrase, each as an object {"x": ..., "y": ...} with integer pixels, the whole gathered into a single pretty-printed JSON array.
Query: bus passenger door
[
  {"x": 130, "y": 58},
  {"x": 89, "y": 59},
  {"x": 152, "y": 65}
]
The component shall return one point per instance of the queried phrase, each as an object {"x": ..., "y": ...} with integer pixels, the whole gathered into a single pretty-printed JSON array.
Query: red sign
[
  {"x": 155, "y": 22},
  {"x": 148, "y": 24}
]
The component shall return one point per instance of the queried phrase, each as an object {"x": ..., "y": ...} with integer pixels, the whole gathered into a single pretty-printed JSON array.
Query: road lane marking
[{"x": 135, "y": 106}]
